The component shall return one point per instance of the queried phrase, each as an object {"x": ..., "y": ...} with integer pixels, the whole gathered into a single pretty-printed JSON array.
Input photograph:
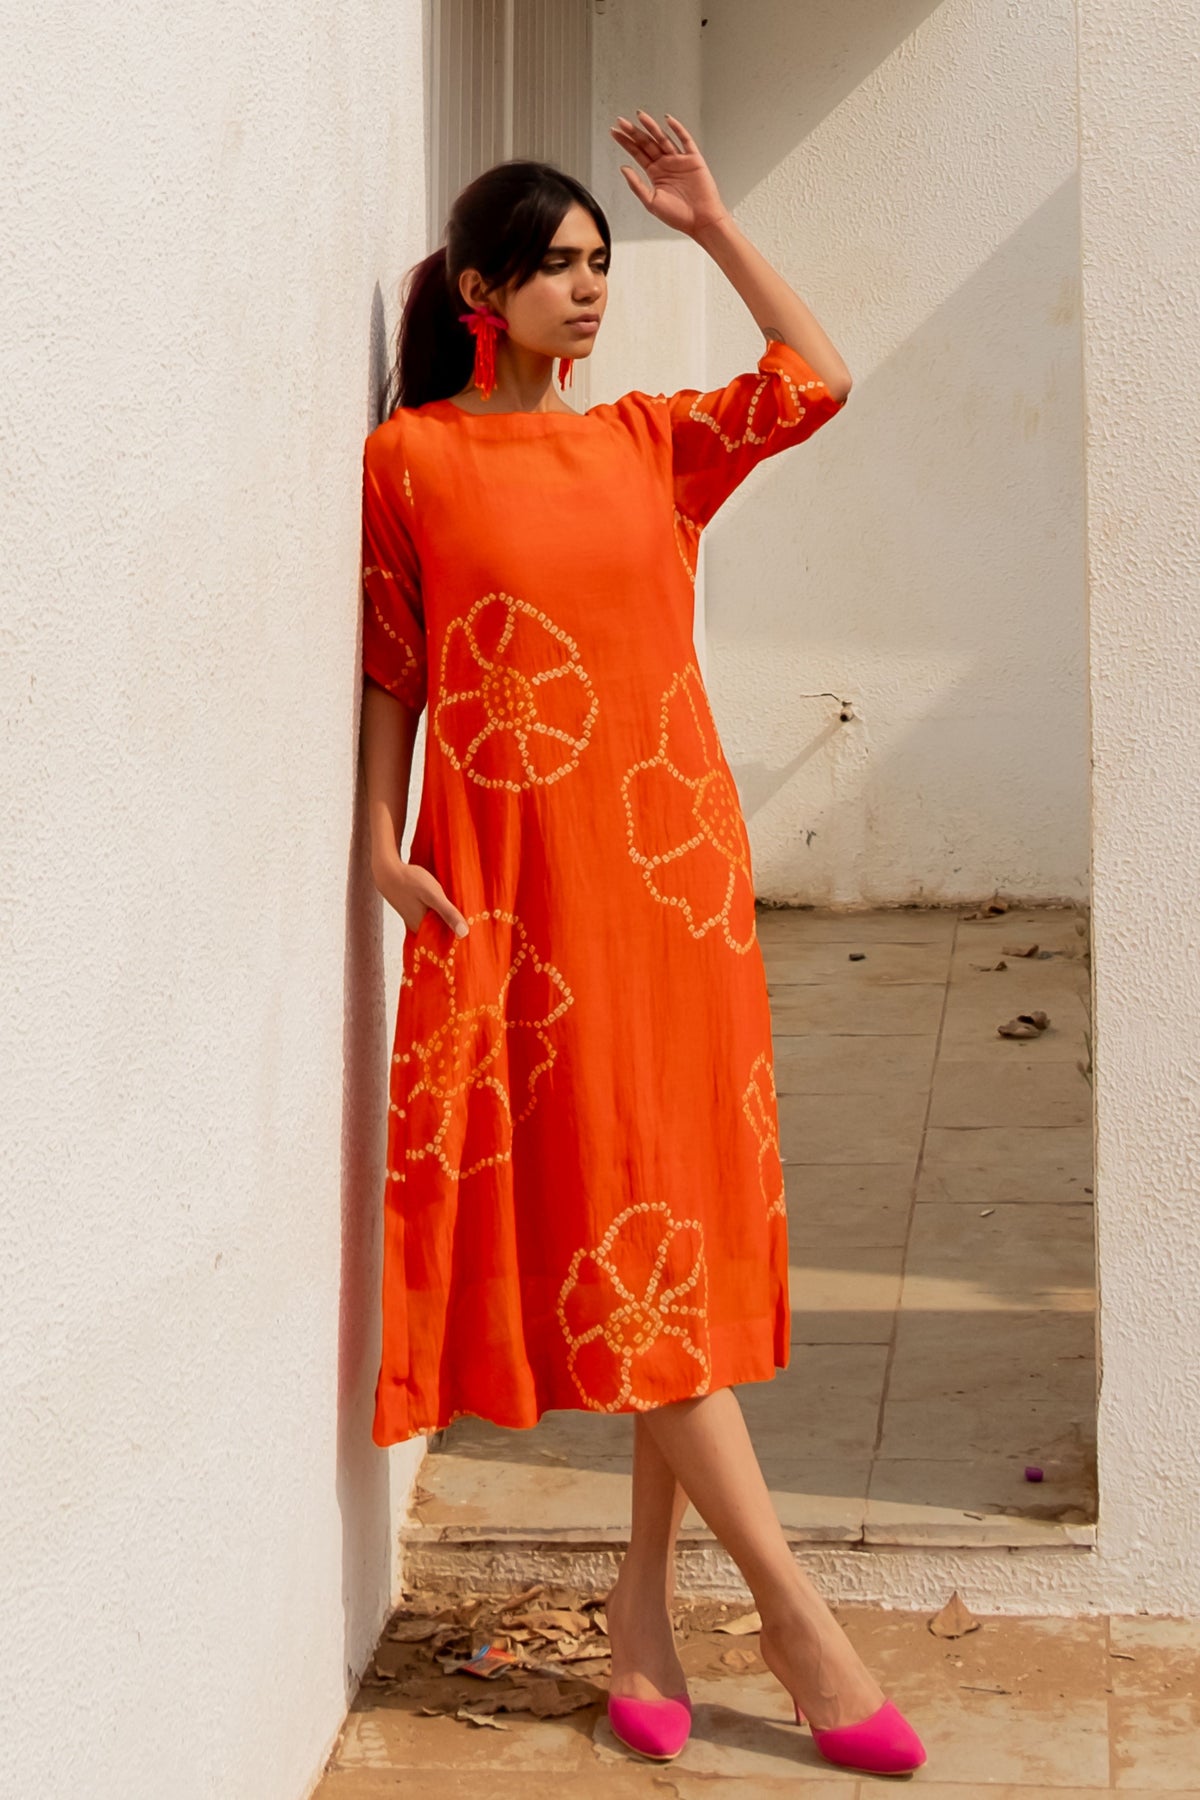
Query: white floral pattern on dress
[
  {"x": 634, "y": 1310},
  {"x": 761, "y": 1109},
  {"x": 516, "y": 706},
  {"x": 684, "y": 821},
  {"x": 488, "y": 1005}
]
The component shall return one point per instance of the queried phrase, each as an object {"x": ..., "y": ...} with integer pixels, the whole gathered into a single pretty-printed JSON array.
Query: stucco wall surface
[
  {"x": 1141, "y": 290},
  {"x": 654, "y": 322},
  {"x": 911, "y": 169},
  {"x": 198, "y": 206}
]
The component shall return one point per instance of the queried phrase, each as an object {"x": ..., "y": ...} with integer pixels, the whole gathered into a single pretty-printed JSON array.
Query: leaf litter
[{"x": 538, "y": 1651}]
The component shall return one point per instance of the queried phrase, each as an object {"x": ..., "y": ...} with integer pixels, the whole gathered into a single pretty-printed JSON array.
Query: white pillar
[{"x": 1140, "y": 142}]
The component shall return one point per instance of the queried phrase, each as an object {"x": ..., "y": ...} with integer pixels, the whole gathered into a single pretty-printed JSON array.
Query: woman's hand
[
  {"x": 684, "y": 194},
  {"x": 414, "y": 891}
]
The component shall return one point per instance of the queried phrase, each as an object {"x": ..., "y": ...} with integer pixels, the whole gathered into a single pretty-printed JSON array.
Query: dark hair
[{"x": 501, "y": 224}]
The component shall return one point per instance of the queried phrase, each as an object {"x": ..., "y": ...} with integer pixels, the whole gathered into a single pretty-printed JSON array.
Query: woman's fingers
[
  {"x": 655, "y": 131},
  {"x": 417, "y": 889},
  {"x": 640, "y": 146},
  {"x": 644, "y": 194},
  {"x": 440, "y": 903},
  {"x": 683, "y": 134}
]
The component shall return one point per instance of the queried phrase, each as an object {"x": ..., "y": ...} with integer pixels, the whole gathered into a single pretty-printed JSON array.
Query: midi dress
[{"x": 584, "y": 1199}]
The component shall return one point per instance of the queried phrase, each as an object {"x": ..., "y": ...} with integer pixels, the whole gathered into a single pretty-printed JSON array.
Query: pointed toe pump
[
  {"x": 654, "y": 1728},
  {"x": 882, "y": 1744}
]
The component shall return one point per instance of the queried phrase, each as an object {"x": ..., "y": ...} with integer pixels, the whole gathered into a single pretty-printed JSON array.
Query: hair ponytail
[
  {"x": 434, "y": 352},
  {"x": 501, "y": 224}
]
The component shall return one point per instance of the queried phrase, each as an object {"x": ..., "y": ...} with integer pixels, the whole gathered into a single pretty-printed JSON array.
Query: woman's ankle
[{"x": 641, "y": 1587}]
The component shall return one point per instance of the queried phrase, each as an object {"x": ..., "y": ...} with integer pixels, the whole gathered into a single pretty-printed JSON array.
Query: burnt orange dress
[{"x": 584, "y": 1199}]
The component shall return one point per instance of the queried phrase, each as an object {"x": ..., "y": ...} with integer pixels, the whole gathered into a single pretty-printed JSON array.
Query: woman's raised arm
[{"x": 684, "y": 195}]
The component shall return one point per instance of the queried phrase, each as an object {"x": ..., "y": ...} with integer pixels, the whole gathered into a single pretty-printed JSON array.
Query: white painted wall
[
  {"x": 1141, "y": 290},
  {"x": 912, "y": 170},
  {"x": 195, "y": 1542},
  {"x": 653, "y": 335}
]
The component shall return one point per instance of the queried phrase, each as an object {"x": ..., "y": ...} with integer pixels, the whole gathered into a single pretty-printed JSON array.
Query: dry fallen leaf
[
  {"x": 954, "y": 1620},
  {"x": 1018, "y": 949},
  {"x": 516, "y": 1601},
  {"x": 572, "y": 1622},
  {"x": 1025, "y": 1025},
  {"x": 739, "y": 1660},
  {"x": 744, "y": 1623},
  {"x": 478, "y": 1718},
  {"x": 413, "y": 1631}
]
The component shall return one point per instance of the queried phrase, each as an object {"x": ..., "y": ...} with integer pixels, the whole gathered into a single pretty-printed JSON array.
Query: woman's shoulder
[
  {"x": 641, "y": 415},
  {"x": 387, "y": 436}
]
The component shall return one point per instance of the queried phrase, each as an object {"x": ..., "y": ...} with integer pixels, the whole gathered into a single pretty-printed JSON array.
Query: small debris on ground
[
  {"x": 739, "y": 1627},
  {"x": 954, "y": 1620},
  {"x": 1025, "y": 1025},
  {"x": 542, "y": 1651}
]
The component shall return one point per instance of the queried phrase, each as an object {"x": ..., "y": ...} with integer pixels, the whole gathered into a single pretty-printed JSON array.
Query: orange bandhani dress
[{"x": 584, "y": 1199}]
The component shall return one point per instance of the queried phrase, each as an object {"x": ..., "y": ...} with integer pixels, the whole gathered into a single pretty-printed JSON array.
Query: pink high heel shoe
[
  {"x": 654, "y": 1728},
  {"x": 882, "y": 1744}
]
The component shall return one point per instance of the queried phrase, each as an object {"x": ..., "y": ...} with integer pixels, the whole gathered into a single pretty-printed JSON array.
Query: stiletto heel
[
  {"x": 654, "y": 1728},
  {"x": 882, "y": 1744}
]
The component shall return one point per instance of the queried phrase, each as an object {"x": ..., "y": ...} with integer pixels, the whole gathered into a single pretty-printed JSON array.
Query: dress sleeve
[
  {"x": 718, "y": 437},
  {"x": 393, "y": 647}
]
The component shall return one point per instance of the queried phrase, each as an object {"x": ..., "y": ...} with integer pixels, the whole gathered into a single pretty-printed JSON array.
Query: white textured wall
[
  {"x": 194, "y": 1524},
  {"x": 1141, "y": 287},
  {"x": 912, "y": 170},
  {"x": 653, "y": 332}
]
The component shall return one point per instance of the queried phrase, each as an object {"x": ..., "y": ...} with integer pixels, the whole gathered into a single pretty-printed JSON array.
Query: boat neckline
[{"x": 484, "y": 418}]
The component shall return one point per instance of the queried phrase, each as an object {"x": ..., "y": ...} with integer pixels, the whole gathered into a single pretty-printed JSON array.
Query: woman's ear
[{"x": 473, "y": 291}]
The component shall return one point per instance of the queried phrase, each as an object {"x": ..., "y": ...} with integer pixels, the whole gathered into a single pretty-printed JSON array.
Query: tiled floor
[
  {"x": 940, "y": 1220},
  {"x": 1018, "y": 1709}
]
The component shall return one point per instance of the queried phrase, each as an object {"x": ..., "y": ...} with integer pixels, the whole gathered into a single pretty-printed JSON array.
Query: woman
[{"x": 584, "y": 1202}]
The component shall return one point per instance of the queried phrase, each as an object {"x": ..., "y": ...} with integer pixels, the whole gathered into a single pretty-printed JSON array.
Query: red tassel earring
[
  {"x": 566, "y": 371},
  {"x": 485, "y": 324}
]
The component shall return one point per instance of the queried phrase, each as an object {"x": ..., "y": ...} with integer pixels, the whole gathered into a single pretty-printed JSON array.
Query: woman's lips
[{"x": 588, "y": 325}]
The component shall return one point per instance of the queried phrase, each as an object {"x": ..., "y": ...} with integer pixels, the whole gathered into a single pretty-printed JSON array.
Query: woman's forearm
[
  {"x": 778, "y": 310},
  {"x": 389, "y": 730}
]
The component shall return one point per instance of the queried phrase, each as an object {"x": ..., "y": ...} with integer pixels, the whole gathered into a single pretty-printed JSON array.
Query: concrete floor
[{"x": 1018, "y": 1709}]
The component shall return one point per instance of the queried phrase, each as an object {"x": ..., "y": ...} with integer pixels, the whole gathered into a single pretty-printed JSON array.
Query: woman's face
[{"x": 571, "y": 281}]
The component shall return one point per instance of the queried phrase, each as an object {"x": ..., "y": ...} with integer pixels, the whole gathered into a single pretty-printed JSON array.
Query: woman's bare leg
[
  {"x": 645, "y": 1665},
  {"x": 706, "y": 1443}
]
